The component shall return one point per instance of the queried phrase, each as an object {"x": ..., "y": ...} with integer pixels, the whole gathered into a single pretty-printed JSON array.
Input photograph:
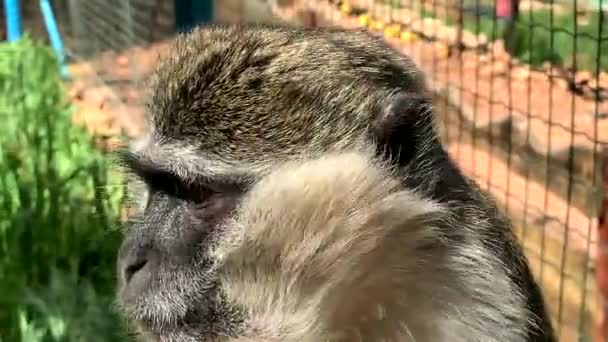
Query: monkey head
[
  {"x": 249, "y": 231},
  {"x": 227, "y": 106}
]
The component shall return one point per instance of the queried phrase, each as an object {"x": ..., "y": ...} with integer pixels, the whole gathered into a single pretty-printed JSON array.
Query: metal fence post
[
  {"x": 601, "y": 334},
  {"x": 12, "y": 10},
  {"x": 54, "y": 35}
]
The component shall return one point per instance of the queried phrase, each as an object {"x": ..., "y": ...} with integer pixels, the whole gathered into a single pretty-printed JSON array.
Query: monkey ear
[{"x": 404, "y": 125}]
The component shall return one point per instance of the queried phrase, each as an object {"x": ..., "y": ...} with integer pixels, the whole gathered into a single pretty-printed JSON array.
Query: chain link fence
[{"x": 521, "y": 92}]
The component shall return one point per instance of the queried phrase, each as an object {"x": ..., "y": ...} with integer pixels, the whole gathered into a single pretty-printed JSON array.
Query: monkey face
[
  {"x": 227, "y": 106},
  {"x": 167, "y": 278}
]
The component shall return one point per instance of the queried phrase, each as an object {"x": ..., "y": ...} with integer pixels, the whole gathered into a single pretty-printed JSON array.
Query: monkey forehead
[
  {"x": 189, "y": 162},
  {"x": 271, "y": 89}
]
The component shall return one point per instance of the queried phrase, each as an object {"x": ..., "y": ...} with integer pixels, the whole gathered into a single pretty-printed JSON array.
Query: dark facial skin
[
  {"x": 229, "y": 104},
  {"x": 163, "y": 252}
]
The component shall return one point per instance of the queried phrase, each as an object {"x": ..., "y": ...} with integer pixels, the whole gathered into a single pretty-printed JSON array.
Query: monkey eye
[
  {"x": 158, "y": 180},
  {"x": 198, "y": 193},
  {"x": 194, "y": 192}
]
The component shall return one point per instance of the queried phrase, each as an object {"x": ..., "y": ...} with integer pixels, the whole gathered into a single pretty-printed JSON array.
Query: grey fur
[{"x": 328, "y": 132}]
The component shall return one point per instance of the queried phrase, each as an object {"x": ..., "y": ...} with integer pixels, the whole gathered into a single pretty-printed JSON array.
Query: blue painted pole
[
  {"x": 54, "y": 35},
  {"x": 12, "y": 9}
]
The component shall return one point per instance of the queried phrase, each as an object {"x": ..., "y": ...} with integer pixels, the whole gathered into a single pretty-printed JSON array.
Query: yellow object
[
  {"x": 364, "y": 19},
  {"x": 377, "y": 25},
  {"x": 442, "y": 50},
  {"x": 392, "y": 31},
  {"x": 408, "y": 36},
  {"x": 346, "y": 8},
  {"x": 81, "y": 69}
]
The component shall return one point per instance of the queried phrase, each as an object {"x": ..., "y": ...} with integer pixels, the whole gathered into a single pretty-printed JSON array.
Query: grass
[{"x": 59, "y": 210}]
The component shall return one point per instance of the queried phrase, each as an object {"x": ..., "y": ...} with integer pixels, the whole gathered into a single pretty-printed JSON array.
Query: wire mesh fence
[{"x": 521, "y": 94}]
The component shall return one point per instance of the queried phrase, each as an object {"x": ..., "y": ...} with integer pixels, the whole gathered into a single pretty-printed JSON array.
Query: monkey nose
[
  {"x": 138, "y": 267},
  {"x": 135, "y": 266}
]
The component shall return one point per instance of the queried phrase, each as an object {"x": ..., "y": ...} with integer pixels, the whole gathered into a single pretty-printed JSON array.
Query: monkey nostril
[{"x": 133, "y": 268}]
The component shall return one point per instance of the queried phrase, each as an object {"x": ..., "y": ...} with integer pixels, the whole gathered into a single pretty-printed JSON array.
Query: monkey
[{"x": 295, "y": 189}]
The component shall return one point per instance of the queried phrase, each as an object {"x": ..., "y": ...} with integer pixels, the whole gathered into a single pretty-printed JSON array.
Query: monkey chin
[{"x": 174, "y": 297}]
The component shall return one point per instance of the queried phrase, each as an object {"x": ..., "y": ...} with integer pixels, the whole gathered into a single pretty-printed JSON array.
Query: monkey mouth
[
  {"x": 158, "y": 323},
  {"x": 195, "y": 324},
  {"x": 165, "y": 302}
]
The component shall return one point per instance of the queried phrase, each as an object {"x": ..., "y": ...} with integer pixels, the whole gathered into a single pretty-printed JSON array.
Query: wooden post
[
  {"x": 190, "y": 13},
  {"x": 601, "y": 333},
  {"x": 511, "y": 14},
  {"x": 460, "y": 26}
]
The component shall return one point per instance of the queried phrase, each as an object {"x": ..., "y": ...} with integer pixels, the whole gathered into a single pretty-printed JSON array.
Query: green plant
[
  {"x": 482, "y": 22},
  {"x": 59, "y": 210},
  {"x": 541, "y": 36},
  {"x": 391, "y": 3}
]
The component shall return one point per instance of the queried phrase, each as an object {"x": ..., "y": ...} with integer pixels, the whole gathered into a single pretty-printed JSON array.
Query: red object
[
  {"x": 601, "y": 332},
  {"x": 504, "y": 8},
  {"x": 122, "y": 60}
]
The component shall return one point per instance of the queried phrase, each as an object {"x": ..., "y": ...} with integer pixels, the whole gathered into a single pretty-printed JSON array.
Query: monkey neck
[{"x": 422, "y": 162}]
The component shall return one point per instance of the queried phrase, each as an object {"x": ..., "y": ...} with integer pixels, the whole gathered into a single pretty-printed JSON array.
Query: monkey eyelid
[{"x": 166, "y": 181}]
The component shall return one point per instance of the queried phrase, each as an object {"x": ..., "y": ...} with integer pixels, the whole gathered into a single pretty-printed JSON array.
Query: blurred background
[{"x": 520, "y": 88}]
